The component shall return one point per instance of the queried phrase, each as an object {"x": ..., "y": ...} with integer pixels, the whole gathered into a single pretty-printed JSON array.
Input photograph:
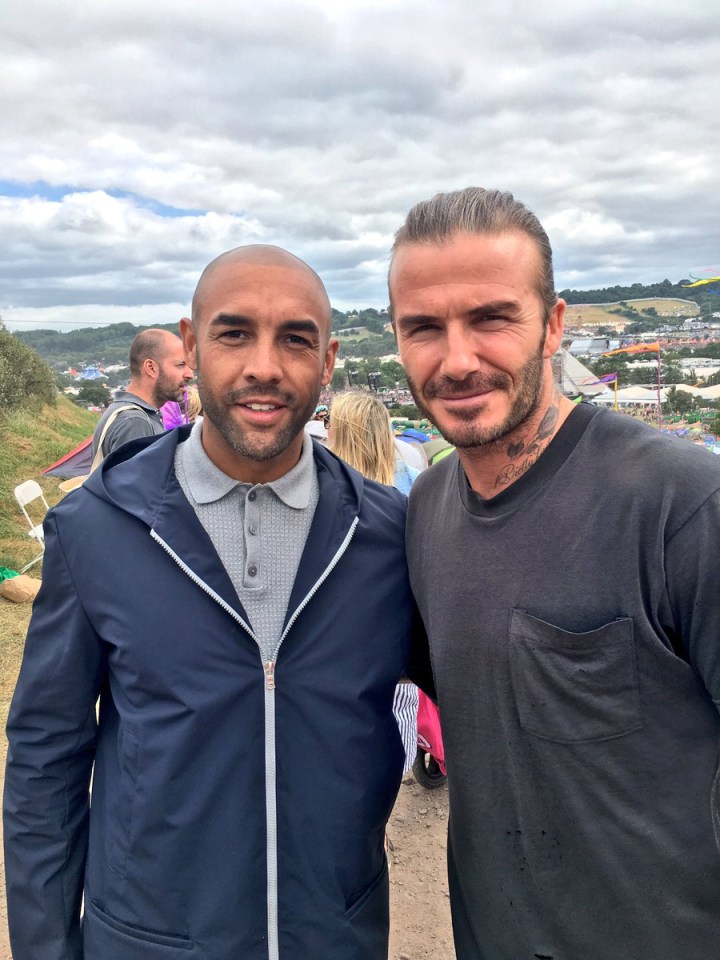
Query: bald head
[
  {"x": 153, "y": 344},
  {"x": 241, "y": 261}
]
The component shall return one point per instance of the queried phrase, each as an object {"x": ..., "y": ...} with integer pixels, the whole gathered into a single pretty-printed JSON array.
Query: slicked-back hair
[
  {"x": 476, "y": 210},
  {"x": 148, "y": 345}
]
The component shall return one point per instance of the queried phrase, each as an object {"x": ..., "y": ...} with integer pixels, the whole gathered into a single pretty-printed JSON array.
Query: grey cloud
[{"x": 318, "y": 130}]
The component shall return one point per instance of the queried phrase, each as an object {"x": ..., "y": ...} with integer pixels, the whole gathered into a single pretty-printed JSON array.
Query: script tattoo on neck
[{"x": 523, "y": 455}]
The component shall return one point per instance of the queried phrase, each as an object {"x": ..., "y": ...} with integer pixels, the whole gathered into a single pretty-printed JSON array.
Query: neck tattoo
[{"x": 523, "y": 455}]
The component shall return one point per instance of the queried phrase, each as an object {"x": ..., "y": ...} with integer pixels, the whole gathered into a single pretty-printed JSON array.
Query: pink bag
[{"x": 429, "y": 732}]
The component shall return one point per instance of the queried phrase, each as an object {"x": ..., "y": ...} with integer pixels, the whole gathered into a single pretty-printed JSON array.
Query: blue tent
[{"x": 91, "y": 373}]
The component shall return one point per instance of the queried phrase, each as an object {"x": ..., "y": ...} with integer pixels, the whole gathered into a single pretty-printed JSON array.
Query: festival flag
[
  {"x": 608, "y": 378},
  {"x": 700, "y": 283},
  {"x": 635, "y": 348}
]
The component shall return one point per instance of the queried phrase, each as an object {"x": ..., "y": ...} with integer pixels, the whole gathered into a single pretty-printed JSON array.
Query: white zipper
[
  {"x": 271, "y": 813},
  {"x": 318, "y": 583},
  {"x": 269, "y": 684}
]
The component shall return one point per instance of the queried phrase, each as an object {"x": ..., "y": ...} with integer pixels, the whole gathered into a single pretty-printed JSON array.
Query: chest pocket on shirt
[{"x": 574, "y": 687}]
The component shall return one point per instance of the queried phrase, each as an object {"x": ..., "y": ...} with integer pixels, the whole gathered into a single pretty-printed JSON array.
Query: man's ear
[
  {"x": 187, "y": 332},
  {"x": 554, "y": 329},
  {"x": 329, "y": 362}
]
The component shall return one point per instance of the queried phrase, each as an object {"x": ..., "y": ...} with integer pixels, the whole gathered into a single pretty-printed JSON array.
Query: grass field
[
  {"x": 598, "y": 314},
  {"x": 31, "y": 440}
]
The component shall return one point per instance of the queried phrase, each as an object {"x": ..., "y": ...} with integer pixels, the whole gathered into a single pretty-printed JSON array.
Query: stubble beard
[
  {"x": 472, "y": 435},
  {"x": 166, "y": 390},
  {"x": 259, "y": 445}
]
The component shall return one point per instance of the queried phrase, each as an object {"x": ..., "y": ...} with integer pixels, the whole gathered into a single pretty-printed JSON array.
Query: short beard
[
  {"x": 164, "y": 392},
  {"x": 256, "y": 446},
  {"x": 471, "y": 434}
]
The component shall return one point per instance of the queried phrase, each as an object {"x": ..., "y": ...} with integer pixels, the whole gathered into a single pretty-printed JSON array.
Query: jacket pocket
[
  {"x": 125, "y": 804},
  {"x": 574, "y": 687},
  {"x": 369, "y": 920},
  {"x": 107, "y": 938}
]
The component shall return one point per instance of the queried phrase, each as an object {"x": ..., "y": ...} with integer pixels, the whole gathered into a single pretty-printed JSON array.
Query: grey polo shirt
[{"x": 259, "y": 530}]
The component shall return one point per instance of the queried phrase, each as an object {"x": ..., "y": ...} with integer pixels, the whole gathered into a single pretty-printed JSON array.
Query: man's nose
[
  {"x": 460, "y": 352},
  {"x": 262, "y": 361}
]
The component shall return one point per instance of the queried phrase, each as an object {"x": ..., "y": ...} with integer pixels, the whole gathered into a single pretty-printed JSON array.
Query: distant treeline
[{"x": 637, "y": 291}]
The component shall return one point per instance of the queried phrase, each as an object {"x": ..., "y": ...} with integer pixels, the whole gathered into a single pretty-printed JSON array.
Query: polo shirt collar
[{"x": 208, "y": 483}]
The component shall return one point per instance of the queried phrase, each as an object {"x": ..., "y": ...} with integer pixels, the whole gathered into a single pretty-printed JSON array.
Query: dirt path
[{"x": 420, "y": 910}]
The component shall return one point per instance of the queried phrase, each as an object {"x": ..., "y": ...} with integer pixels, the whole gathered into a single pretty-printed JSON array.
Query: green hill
[{"x": 30, "y": 440}]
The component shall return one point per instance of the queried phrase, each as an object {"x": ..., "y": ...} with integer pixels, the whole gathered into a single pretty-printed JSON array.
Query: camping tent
[
  {"x": 91, "y": 373},
  {"x": 76, "y": 463}
]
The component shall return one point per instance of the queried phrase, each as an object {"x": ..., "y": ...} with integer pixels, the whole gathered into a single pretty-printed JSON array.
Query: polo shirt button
[
  {"x": 252, "y": 529},
  {"x": 252, "y": 495},
  {"x": 252, "y": 570}
]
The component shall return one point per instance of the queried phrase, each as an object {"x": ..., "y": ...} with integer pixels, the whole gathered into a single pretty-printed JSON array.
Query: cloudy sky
[{"x": 140, "y": 139}]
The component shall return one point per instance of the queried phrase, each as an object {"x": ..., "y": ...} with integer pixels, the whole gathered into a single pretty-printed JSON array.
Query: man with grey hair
[
  {"x": 565, "y": 565},
  {"x": 158, "y": 373}
]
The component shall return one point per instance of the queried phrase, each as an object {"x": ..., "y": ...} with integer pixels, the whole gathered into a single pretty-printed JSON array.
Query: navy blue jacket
[{"x": 238, "y": 809}]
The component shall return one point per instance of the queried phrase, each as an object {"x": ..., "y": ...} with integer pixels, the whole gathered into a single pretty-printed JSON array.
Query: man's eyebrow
[
  {"x": 236, "y": 320},
  {"x": 300, "y": 326},
  {"x": 495, "y": 306},
  {"x": 230, "y": 320}
]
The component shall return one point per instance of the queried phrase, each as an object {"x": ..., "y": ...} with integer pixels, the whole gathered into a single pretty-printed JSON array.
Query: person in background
[
  {"x": 193, "y": 407},
  {"x": 158, "y": 373},
  {"x": 360, "y": 433},
  {"x": 317, "y": 425},
  {"x": 176, "y": 414}
]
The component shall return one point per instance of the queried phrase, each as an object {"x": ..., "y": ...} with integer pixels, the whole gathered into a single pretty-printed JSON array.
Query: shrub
[{"x": 24, "y": 377}]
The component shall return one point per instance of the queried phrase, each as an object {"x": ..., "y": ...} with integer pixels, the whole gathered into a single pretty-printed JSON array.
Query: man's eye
[
  {"x": 420, "y": 328},
  {"x": 295, "y": 340},
  {"x": 490, "y": 320},
  {"x": 233, "y": 335}
]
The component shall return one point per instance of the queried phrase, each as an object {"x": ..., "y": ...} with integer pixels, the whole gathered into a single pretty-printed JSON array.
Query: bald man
[
  {"x": 237, "y": 598},
  {"x": 158, "y": 373}
]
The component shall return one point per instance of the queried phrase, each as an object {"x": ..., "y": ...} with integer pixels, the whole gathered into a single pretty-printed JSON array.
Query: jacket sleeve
[{"x": 51, "y": 733}]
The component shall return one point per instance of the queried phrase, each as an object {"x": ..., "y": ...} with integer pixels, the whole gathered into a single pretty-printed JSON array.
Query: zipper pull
[{"x": 270, "y": 675}]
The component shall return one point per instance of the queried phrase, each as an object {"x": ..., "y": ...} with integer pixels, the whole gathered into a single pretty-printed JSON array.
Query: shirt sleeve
[
  {"x": 51, "y": 733},
  {"x": 419, "y": 668},
  {"x": 128, "y": 425},
  {"x": 692, "y": 575}
]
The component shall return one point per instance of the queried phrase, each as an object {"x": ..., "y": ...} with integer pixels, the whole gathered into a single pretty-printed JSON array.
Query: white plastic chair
[{"x": 26, "y": 493}]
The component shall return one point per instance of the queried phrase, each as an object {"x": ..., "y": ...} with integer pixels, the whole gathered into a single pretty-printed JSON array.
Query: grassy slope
[{"x": 31, "y": 440}]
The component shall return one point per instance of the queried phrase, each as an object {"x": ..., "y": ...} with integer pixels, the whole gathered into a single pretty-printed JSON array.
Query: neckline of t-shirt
[{"x": 547, "y": 465}]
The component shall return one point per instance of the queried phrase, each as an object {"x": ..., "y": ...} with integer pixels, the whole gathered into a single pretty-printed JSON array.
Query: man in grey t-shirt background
[
  {"x": 158, "y": 373},
  {"x": 565, "y": 565}
]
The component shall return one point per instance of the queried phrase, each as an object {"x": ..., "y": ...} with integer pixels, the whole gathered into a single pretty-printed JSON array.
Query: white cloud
[{"x": 163, "y": 133}]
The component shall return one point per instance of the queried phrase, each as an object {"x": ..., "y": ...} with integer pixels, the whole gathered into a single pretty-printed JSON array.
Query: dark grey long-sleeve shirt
[{"x": 574, "y": 625}]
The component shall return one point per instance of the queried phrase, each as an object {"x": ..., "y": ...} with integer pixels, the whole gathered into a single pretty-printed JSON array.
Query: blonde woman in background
[
  {"x": 360, "y": 432},
  {"x": 193, "y": 406}
]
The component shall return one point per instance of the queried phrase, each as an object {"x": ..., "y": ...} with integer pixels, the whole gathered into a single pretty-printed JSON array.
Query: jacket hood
[{"x": 138, "y": 476}]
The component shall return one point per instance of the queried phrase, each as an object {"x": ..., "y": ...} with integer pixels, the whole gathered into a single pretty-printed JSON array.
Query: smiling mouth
[{"x": 261, "y": 406}]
